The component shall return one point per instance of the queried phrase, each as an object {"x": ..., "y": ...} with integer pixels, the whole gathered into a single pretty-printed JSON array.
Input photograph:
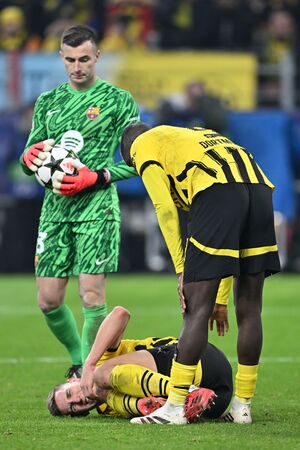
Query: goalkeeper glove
[
  {"x": 33, "y": 157},
  {"x": 69, "y": 185}
]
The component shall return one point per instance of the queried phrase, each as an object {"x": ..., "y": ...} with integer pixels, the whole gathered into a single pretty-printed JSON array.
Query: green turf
[{"x": 26, "y": 378}]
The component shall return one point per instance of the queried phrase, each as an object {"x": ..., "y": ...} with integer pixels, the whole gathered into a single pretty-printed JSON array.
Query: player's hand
[
  {"x": 33, "y": 157},
  {"x": 69, "y": 185},
  {"x": 220, "y": 315},
  {"x": 86, "y": 381},
  {"x": 180, "y": 293}
]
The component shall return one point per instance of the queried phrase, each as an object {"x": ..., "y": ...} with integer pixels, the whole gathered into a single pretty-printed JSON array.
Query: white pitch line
[
  {"x": 272, "y": 359},
  {"x": 32, "y": 310},
  {"x": 39, "y": 359},
  {"x": 55, "y": 360}
]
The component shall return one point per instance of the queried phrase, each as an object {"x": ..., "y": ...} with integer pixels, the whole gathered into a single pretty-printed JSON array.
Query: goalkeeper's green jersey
[{"x": 91, "y": 123}]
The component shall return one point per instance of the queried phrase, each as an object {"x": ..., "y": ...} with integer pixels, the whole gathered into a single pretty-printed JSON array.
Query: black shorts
[
  {"x": 231, "y": 232},
  {"x": 163, "y": 357},
  {"x": 216, "y": 374}
]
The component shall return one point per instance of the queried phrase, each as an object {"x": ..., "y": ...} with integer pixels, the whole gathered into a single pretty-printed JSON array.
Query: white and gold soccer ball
[{"x": 58, "y": 160}]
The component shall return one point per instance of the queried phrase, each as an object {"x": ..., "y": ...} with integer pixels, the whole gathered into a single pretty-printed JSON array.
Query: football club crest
[{"x": 93, "y": 112}]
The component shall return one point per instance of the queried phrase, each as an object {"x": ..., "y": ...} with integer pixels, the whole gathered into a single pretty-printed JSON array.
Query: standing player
[
  {"x": 231, "y": 232},
  {"x": 79, "y": 229}
]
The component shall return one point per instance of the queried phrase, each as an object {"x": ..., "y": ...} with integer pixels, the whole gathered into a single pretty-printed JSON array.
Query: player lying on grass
[{"x": 125, "y": 374}]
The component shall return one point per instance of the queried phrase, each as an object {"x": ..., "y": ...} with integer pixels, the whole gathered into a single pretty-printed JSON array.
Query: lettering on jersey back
[{"x": 213, "y": 142}]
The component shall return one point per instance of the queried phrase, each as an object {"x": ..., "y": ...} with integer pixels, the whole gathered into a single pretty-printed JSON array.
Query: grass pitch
[{"x": 31, "y": 362}]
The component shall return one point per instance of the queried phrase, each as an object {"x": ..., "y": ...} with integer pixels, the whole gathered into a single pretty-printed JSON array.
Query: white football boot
[
  {"x": 166, "y": 415},
  {"x": 240, "y": 412}
]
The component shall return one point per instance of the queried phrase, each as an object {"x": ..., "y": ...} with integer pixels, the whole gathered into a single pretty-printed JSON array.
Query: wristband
[{"x": 103, "y": 177}]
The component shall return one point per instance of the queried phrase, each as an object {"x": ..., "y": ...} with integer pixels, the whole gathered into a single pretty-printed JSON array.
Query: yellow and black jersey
[
  {"x": 177, "y": 163},
  {"x": 194, "y": 159},
  {"x": 133, "y": 345}
]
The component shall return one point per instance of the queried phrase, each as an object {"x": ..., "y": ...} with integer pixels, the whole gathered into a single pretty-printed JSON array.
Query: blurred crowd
[{"x": 267, "y": 27}]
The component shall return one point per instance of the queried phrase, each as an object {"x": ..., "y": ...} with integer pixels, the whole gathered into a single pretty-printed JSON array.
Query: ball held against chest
[{"x": 58, "y": 160}]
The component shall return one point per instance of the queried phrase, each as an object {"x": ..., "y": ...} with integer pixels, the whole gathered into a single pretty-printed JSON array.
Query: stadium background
[{"x": 245, "y": 55}]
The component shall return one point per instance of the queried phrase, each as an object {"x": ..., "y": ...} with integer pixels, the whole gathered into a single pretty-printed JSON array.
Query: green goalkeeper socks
[
  {"x": 93, "y": 317},
  {"x": 63, "y": 325}
]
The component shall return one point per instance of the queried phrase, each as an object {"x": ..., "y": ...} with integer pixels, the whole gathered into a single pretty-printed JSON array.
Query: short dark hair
[
  {"x": 53, "y": 408},
  {"x": 77, "y": 35},
  {"x": 128, "y": 137},
  {"x": 51, "y": 402}
]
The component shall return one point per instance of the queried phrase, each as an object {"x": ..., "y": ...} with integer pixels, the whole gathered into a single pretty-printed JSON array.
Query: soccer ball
[{"x": 57, "y": 160}]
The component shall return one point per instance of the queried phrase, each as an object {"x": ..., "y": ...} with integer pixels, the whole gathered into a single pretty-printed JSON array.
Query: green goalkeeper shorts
[{"x": 70, "y": 248}]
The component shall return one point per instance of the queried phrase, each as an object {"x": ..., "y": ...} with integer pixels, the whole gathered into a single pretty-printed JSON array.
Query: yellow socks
[
  {"x": 245, "y": 382},
  {"x": 182, "y": 377},
  {"x": 122, "y": 404},
  {"x": 138, "y": 381}
]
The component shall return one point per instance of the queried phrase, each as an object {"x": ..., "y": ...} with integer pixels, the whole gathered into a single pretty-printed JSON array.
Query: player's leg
[
  {"x": 92, "y": 293},
  {"x": 248, "y": 304},
  {"x": 53, "y": 260},
  {"x": 146, "y": 376},
  {"x": 97, "y": 249},
  {"x": 258, "y": 259},
  {"x": 133, "y": 374},
  {"x": 129, "y": 406},
  {"x": 212, "y": 253},
  {"x": 200, "y": 300}
]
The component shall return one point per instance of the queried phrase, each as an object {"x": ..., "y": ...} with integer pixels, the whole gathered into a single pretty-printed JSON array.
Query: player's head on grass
[
  {"x": 80, "y": 54},
  {"x": 68, "y": 400},
  {"x": 128, "y": 137}
]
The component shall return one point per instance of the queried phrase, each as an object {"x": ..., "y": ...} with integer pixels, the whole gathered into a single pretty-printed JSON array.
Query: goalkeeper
[{"x": 79, "y": 228}]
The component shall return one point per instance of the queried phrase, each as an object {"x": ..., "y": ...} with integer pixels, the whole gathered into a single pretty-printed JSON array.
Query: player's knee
[
  {"x": 48, "y": 303},
  {"x": 246, "y": 309},
  {"x": 102, "y": 376},
  {"x": 199, "y": 314},
  {"x": 92, "y": 297}
]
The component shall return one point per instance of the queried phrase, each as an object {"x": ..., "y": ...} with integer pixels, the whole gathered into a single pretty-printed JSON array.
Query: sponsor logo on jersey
[
  {"x": 72, "y": 140},
  {"x": 93, "y": 112},
  {"x": 50, "y": 113}
]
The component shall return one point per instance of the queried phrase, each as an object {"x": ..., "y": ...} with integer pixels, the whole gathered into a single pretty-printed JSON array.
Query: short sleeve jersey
[
  {"x": 90, "y": 122},
  {"x": 133, "y": 345}
]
